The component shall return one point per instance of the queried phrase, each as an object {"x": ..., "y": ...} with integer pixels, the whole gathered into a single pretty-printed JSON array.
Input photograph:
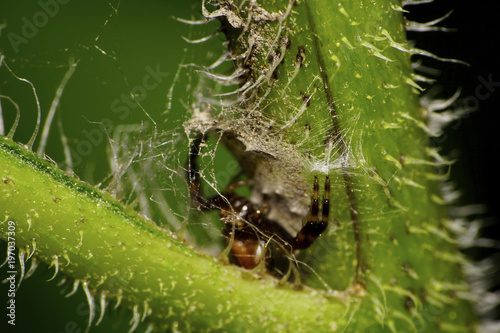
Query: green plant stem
[
  {"x": 85, "y": 234},
  {"x": 387, "y": 249}
]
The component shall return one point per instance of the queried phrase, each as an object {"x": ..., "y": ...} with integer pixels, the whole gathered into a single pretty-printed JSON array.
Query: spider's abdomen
[
  {"x": 247, "y": 252},
  {"x": 242, "y": 224}
]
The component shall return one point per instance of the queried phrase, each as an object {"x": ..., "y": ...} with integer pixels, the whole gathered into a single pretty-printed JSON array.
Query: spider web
[
  {"x": 111, "y": 101},
  {"x": 220, "y": 106},
  {"x": 103, "y": 100},
  {"x": 99, "y": 90}
]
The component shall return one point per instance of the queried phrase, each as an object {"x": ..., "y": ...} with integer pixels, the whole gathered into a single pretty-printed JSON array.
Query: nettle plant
[{"x": 294, "y": 142}]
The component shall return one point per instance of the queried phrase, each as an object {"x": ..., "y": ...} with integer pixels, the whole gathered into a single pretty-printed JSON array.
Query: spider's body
[{"x": 247, "y": 229}]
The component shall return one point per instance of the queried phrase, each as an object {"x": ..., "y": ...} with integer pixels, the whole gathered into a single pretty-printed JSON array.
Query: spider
[{"x": 247, "y": 230}]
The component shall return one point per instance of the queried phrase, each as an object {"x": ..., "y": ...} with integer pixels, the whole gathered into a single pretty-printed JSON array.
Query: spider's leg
[
  {"x": 326, "y": 204},
  {"x": 193, "y": 172},
  {"x": 313, "y": 228},
  {"x": 194, "y": 180},
  {"x": 236, "y": 184}
]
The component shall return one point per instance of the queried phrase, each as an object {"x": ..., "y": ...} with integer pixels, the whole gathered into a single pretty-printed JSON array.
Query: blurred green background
[
  {"x": 123, "y": 48},
  {"x": 117, "y": 45}
]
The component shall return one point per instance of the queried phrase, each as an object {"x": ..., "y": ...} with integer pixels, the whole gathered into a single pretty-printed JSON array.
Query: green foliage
[{"x": 333, "y": 93}]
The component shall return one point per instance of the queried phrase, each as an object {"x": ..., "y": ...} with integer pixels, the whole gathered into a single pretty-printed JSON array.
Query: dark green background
[
  {"x": 473, "y": 140},
  {"x": 140, "y": 34}
]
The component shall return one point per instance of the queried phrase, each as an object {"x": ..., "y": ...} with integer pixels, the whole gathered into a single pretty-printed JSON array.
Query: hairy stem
[
  {"x": 91, "y": 237},
  {"x": 331, "y": 91}
]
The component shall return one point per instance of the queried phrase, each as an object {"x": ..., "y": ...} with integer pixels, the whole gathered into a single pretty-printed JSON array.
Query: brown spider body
[{"x": 247, "y": 229}]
